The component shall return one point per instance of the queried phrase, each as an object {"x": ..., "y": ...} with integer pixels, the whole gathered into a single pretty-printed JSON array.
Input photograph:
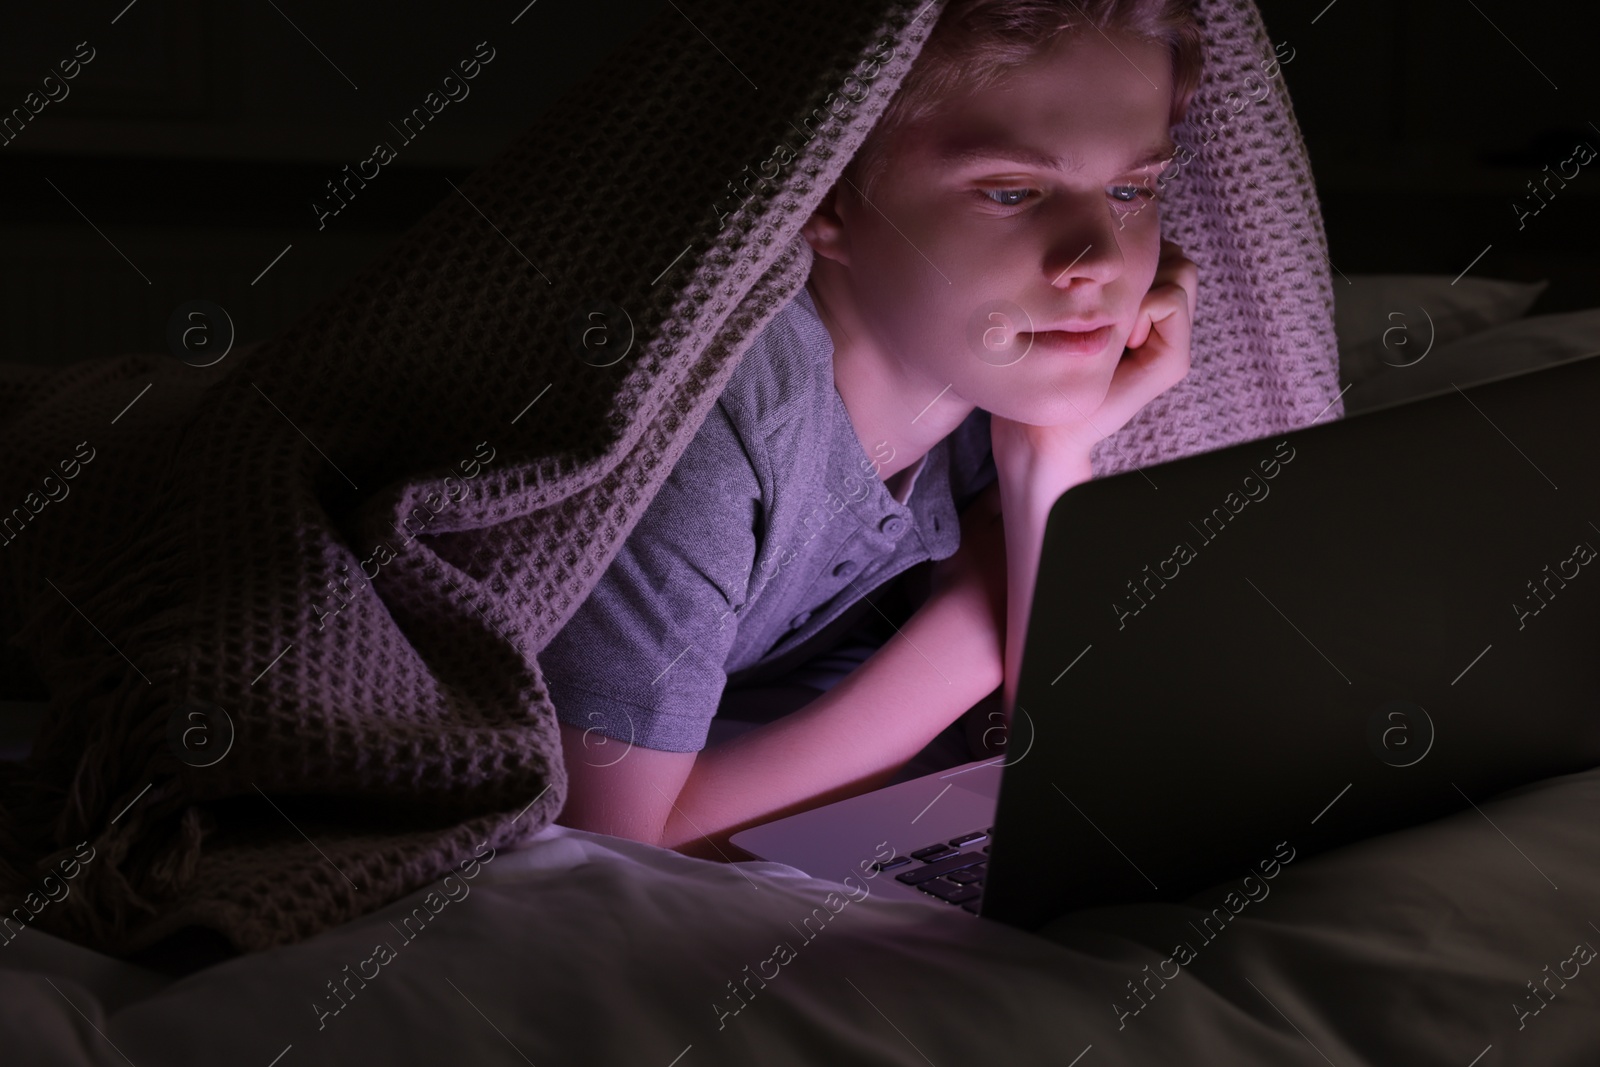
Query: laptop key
[
  {"x": 955, "y": 894},
  {"x": 928, "y": 871},
  {"x": 967, "y": 839},
  {"x": 889, "y": 865},
  {"x": 969, "y": 874},
  {"x": 932, "y": 852},
  {"x": 972, "y": 905}
]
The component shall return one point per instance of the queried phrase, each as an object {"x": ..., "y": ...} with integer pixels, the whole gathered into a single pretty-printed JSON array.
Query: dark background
[{"x": 199, "y": 135}]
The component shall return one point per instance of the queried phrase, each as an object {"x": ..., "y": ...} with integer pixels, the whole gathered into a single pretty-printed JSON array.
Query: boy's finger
[
  {"x": 1141, "y": 331},
  {"x": 1176, "y": 268},
  {"x": 1148, "y": 370},
  {"x": 1160, "y": 304}
]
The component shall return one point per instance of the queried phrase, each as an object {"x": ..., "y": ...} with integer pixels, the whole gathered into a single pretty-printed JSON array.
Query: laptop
[{"x": 1239, "y": 659}]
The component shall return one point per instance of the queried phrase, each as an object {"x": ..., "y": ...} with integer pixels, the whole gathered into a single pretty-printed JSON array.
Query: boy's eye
[
  {"x": 1004, "y": 196},
  {"x": 1123, "y": 194}
]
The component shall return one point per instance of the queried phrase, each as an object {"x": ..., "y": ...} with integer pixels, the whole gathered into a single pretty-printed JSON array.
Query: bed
[{"x": 1442, "y": 944}]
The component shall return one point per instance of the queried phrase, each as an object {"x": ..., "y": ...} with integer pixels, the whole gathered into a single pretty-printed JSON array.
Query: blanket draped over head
[{"x": 289, "y": 615}]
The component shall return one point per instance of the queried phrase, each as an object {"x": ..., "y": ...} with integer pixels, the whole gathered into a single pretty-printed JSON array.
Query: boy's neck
[{"x": 889, "y": 404}]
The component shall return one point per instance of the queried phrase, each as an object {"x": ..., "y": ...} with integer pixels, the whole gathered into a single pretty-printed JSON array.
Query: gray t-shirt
[{"x": 773, "y": 525}]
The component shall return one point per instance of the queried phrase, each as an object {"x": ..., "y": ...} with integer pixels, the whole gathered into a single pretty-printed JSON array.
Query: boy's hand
[{"x": 1156, "y": 358}]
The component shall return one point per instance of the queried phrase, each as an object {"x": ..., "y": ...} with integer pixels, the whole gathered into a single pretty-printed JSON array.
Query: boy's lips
[
  {"x": 1084, "y": 342},
  {"x": 1077, "y": 326}
]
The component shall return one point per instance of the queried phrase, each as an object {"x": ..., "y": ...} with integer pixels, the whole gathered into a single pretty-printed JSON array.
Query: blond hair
[{"x": 976, "y": 43}]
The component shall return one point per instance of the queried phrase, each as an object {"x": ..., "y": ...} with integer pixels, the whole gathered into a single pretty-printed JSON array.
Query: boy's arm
[
  {"x": 617, "y": 788},
  {"x": 1037, "y": 464},
  {"x": 1027, "y": 495},
  {"x": 849, "y": 740}
]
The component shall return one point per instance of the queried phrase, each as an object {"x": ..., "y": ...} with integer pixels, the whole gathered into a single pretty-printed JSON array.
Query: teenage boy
[{"x": 990, "y": 265}]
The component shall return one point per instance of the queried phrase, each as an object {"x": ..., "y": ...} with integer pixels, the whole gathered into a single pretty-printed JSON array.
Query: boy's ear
[{"x": 824, "y": 230}]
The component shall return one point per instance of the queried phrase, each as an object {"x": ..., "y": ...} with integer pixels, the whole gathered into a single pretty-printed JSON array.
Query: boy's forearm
[
  {"x": 854, "y": 737},
  {"x": 1026, "y": 498}
]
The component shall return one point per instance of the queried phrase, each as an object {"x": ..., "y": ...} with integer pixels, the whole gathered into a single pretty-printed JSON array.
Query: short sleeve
[{"x": 643, "y": 658}]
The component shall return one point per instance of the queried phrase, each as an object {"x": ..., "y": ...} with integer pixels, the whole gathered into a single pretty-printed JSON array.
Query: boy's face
[{"x": 947, "y": 240}]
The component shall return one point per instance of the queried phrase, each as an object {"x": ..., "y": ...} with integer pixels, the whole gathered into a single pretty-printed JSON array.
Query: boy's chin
[{"x": 1052, "y": 405}]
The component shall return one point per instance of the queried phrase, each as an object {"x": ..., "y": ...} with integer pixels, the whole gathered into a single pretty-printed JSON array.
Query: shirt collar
[{"x": 928, "y": 512}]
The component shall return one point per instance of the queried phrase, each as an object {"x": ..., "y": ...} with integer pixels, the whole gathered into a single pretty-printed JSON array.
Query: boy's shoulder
[
  {"x": 786, "y": 373},
  {"x": 782, "y": 403}
]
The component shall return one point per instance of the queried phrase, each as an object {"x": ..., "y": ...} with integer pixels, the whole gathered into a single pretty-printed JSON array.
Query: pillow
[
  {"x": 1382, "y": 319},
  {"x": 1512, "y": 348}
]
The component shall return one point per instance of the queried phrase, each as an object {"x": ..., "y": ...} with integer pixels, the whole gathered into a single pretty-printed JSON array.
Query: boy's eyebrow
[{"x": 984, "y": 151}]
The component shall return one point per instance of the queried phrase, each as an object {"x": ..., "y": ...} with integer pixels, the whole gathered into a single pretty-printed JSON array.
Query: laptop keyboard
[{"x": 951, "y": 871}]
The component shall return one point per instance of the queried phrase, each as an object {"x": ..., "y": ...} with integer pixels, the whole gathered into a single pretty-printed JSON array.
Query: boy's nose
[{"x": 1089, "y": 252}]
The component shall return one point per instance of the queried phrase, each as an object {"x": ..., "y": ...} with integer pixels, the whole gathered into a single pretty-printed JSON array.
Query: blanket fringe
[{"x": 113, "y": 716}]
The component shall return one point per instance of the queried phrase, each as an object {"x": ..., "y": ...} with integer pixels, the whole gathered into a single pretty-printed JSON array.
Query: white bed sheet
[{"x": 1407, "y": 949}]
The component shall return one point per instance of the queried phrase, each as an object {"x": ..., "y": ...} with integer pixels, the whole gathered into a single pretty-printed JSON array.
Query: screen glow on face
[
  {"x": 1040, "y": 193},
  {"x": 1033, "y": 171}
]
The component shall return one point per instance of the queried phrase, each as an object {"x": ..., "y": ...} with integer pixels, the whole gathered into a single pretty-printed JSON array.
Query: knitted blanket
[{"x": 289, "y": 607}]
